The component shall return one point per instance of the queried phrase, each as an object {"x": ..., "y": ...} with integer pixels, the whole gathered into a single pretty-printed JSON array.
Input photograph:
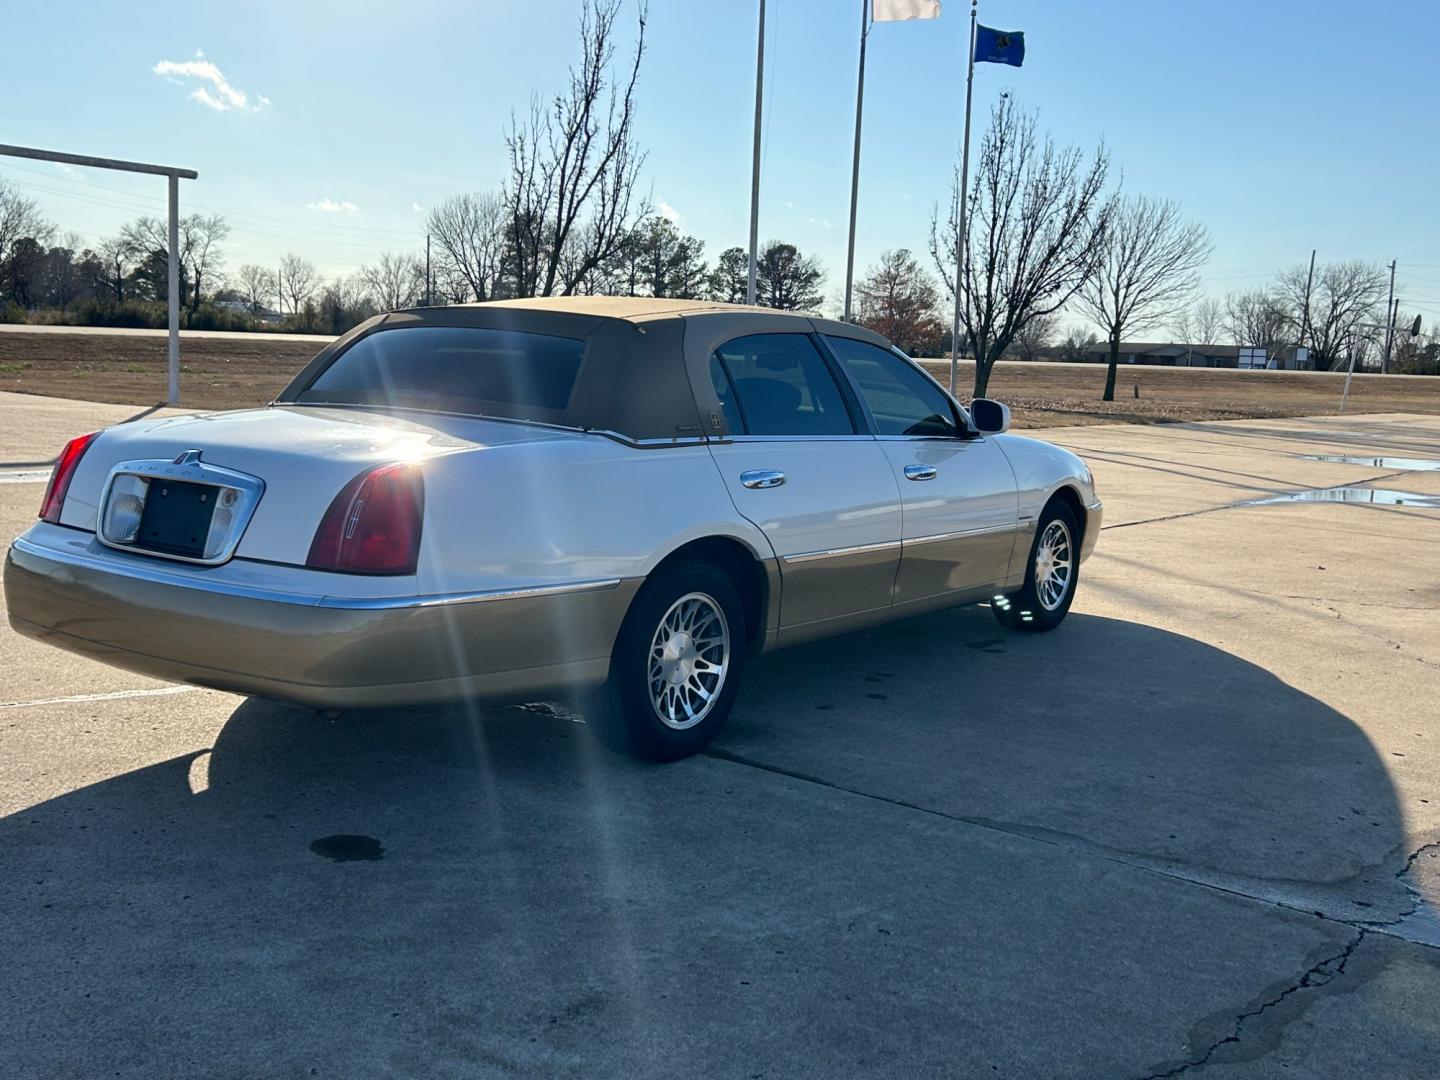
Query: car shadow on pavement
[
  {"x": 1119, "y": 735},
  {"x": 446, "y": 892}
]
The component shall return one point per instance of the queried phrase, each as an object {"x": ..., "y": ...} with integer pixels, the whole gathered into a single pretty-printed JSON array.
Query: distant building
[
  {"x": 1171, "y": 354},
  {"x": 1157, "y": 354}
]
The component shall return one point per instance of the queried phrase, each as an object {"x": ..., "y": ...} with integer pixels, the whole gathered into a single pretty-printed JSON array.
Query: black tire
[
  {"x": 1027, "y": 609},
  {"x": 623, "y": 713}
]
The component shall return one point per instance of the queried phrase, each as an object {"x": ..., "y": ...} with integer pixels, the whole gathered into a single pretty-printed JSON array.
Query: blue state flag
[{"x": 999, "y": 46}]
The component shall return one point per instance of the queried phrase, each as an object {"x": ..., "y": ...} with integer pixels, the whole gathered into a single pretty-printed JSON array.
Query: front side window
[
  {"x": 460, "y": 369},
  {"x": 784, "y": 387},
  {"x": 902, "y": 400}
]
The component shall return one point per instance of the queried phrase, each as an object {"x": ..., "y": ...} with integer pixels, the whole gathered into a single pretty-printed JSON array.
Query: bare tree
[
  {"x": 20, "y": 217},
  {"x": 298, "y": 280},
  {"x": 786, "y": 279},
  {"x": 470, "y": 232},
  {"x": 1342, "y": 294},
  {"x": 1201, "y": 323},
  {"x": 204, "y": 233},
  {"x": 1034, "y": 336},
  {"x": 1149, "y": 269},
  {"x": 257, "y": 284},
  {"x": 200, "y": 254},
  {"x": 1415, "y": 354},
  {"x": 1036, "y": 217},
  {"x": 570, "y": 198},
  {"x": 24, "y": 235},
  {"x": 899, "y": 300},
  {"x": 1076, "y": 346},
  {"x": 396, "y": 281},
  {"x": 1258, "y": 318},
  {"x": 115, "y": 256}
]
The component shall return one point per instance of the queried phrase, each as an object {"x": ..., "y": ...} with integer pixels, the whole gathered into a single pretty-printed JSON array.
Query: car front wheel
[
  {"x": 1051, "y": 575},
  {"x": 675, "y": 668}
]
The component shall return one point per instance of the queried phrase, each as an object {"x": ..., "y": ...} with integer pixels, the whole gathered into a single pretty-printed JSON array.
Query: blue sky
[{"x": 1282, "y": 125}]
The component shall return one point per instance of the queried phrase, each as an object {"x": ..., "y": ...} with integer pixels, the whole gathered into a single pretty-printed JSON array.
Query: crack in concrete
[
  {"x": 1396, "y": 645},
  {"x": 1297, "y": 895},
  {"x": 1317, "y": 975},
  {"x": 1314, "y": 977},
  {"x": 1410, "y": 861}
]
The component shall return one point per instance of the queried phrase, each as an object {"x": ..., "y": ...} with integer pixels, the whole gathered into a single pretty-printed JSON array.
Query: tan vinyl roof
[{"x": 630, "y": 308}]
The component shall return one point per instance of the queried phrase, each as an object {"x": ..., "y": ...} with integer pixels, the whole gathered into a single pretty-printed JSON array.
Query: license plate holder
[{"x": 176, "y": 518}]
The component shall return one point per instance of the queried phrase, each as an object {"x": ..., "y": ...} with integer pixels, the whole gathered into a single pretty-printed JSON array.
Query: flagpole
[
  {"x": 755, "y": 164},
  {"x": 960, "y": 219},
  {"x": 855, "y": 164}
]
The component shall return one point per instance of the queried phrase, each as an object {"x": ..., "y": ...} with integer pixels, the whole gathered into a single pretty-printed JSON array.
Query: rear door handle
[
  {"x": 920, "y": 472},
  {"x": 762, "y": 478}
]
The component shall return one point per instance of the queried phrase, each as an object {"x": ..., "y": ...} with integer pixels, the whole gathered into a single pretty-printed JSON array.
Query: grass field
[{"x": 229, "y": 373}]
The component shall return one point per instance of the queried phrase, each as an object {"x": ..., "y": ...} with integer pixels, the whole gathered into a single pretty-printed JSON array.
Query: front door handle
[
  {"x": 762, "y": 478},
  {"x": 920, "y": 472}
]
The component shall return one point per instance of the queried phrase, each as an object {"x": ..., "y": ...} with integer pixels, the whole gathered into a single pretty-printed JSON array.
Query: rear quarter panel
[{"x": 576, "y": 509}]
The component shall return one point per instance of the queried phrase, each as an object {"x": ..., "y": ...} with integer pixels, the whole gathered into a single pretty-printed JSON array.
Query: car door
[
  {"x": 798, "y": 465},
  {"x": 957, "y": 490}
]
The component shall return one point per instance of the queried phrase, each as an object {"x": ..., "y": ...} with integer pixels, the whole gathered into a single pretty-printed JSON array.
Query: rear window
[{"x": 463, "y": 369}]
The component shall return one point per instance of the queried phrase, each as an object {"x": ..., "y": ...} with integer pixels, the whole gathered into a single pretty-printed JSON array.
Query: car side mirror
[{"x": 990, "y": 417}]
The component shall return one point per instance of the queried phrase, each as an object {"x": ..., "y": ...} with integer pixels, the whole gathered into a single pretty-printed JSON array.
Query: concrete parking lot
[{"x": 1196, "y": 831}]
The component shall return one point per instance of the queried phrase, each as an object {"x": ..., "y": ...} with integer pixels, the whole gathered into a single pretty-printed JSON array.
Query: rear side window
[
  {"x": 462, "y": 369},
  {"x": 734, "y": 425},
  {"x": 783, "y": 386}
]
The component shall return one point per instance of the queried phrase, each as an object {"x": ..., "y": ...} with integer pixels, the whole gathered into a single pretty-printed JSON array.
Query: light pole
[{"x": 1369, "y": 332}]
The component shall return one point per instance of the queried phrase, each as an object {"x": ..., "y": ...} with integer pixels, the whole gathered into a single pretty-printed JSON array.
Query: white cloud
[
  {"x": 824, "y": 223},
  {"x": 328, "y": 205},
  {"x": 668, "y": 212},
  {"x": 214, "y": 90},
  {"x": 416, "y": 208}
]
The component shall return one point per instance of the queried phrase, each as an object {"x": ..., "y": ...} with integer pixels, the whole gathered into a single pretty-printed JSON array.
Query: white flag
[{"x": 897, "y": 10}]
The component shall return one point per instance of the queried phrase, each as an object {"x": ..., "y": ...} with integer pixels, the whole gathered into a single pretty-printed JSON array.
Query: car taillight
[
  {"x": 61, "y": 476},
  {"x": 373, "y": 525}
]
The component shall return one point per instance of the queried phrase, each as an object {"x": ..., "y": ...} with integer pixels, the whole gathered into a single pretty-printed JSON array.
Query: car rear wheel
[
  {"x": 675, "y": 668},
  {"x": 1051, "y": 575}
]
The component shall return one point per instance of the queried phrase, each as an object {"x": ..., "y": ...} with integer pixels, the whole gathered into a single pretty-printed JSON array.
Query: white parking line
[
  {"x": 114, "y": 695},
  {"x": 25, "y": 476}
]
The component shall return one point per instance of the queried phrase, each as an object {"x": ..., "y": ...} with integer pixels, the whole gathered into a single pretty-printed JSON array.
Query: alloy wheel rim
[
  {"x": 1054, "y": 563},
  {"x": 689, "y": 660}
]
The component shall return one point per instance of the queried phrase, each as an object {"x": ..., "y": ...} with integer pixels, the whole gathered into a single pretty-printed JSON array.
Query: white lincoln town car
[{"x": 616, "y": 501}]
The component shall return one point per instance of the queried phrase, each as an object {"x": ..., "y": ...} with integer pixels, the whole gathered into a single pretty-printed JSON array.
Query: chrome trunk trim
[{"x": 187, "y": 468}]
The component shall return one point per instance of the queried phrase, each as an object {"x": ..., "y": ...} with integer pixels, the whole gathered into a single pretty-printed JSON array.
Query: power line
[{"x": 127, "y": 200}]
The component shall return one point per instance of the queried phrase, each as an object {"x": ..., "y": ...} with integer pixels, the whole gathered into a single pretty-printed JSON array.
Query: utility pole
[
  {"x": 855, "y": 164},
  {"x": 1389, "y": 323},
  {"x": 428, "y": 301},
  {"x": 280, "y": 291},
  {"x": 755, "y": 163},
  {"x": 960, "y": 222},
  {"x": 1305, "y": 313}
]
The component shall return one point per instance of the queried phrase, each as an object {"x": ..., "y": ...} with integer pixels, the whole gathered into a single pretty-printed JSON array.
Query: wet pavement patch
[
  {"x": 346, "y": 848},
  {"x": 1406, "y": 464},
  {"x": 1353, "y": 494}
]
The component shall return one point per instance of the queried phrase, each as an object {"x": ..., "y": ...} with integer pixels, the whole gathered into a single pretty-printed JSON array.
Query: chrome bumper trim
[{"x": 161, "y": 576}]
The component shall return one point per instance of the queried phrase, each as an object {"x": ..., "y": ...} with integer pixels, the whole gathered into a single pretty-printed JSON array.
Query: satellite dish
[{"x": 1415, "y": 327}]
